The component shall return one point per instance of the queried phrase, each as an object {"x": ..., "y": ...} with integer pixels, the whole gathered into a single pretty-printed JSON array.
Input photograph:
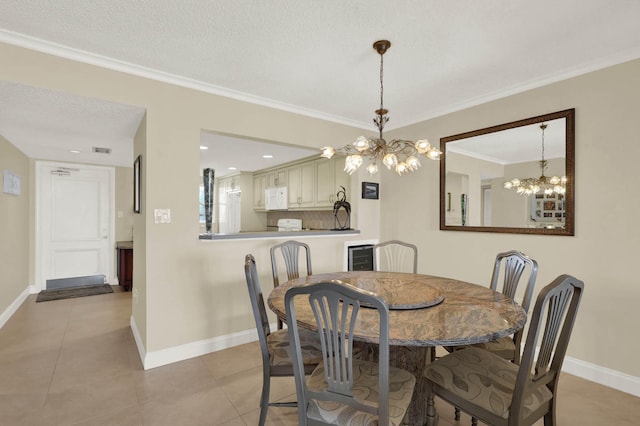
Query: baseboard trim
[
  {"x": 190, "y": 350},
  {"x": 13, "y": 307},
  {"x": 588, "y": 371},
  {"x": 137, "y": 339},
  {"x": 602, "y": 375}
]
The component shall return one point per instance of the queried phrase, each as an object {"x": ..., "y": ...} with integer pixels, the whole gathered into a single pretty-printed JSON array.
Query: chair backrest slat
[
  {"x": 398, "y": 257},
  {"x": 558, "y": 304},
  {"x": 515, "y": 263},
  {"x": 290, "y": 252}
]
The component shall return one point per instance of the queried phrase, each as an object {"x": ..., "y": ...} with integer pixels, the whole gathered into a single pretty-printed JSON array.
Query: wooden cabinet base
[{"x": 125, "y": 268}]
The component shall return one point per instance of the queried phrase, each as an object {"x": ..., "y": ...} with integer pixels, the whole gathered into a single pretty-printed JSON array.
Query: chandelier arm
[{"x": 403, "y": 146}]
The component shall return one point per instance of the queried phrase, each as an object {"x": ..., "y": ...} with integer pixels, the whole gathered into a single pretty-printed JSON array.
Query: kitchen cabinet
[
  {"x": 330, "y": 176},
  {"x": 262, "y": 181},
  {"x": 229, "y": 184},
  {"x": 301, "y": 182},
  {"x": 311, "y": 184},
  {"x": 277, "y": 178},
  {"x": 259, "y": 185}
]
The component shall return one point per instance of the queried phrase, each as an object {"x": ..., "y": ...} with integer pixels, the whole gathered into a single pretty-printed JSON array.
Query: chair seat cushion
[
  {"x": 365, "y": 388},
  {"x": 503, "y": 347},
  {"x": 279, "y": 348},
  {"x": 484, "y": 379}
]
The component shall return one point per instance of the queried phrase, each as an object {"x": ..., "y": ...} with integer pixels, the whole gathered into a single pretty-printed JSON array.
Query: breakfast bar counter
[{"x": 279, "y": 234}]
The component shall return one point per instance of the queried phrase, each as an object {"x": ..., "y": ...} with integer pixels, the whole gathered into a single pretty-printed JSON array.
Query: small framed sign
[
  {"x": 370, "y": 190},
  {"x": 11, "y": 183}
]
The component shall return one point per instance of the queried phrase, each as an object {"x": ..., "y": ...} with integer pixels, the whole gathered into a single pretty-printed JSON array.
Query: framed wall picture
[
  {"x": 370, "y": 190},
  {"x": 547, "y": 208},
  {"x": 136, "y": 184},
  {"x": 11, "y": 183}
]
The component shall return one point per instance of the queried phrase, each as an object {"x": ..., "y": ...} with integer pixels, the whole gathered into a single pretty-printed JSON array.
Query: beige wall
[
  {"x": 124, "y": 203},
  {"x": 185, "y": 290},
  {"x": 14, "y": 227},
  {"x": 603, "y": 251}
]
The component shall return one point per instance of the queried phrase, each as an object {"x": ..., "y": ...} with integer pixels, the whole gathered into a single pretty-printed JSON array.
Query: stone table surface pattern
[{"x": 465, "y": 314}]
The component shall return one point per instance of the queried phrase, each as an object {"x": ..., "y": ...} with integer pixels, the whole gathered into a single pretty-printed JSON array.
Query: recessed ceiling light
[
  {"x": 202, "y": 147},
  {"x": 74, "y": 151},
  {"x": 267, "y": 156},
  {"x": 232, "y": 168}
]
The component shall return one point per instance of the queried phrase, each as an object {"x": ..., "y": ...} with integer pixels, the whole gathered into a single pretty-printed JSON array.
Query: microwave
[{"x": 276, "y": 198}]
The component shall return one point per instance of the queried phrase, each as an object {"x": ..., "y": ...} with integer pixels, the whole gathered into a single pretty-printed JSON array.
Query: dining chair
[
  {"x": 509, "y": 268},
  {"x": 343, "y": 390},
  {"x": 395, "y": 256},
  {"x": 275, "y": 347},
  {"x": 499, "y": 392},
  {"x": 290, "y": 251}
]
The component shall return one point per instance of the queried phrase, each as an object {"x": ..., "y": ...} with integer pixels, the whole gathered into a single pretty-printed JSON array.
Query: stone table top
[{"x": 467, "y": 314}]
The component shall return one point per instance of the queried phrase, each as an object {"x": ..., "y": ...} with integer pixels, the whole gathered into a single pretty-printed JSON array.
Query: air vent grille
[{"x": 100, "y": 150}]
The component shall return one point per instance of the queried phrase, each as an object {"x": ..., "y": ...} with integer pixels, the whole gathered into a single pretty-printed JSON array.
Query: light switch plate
[{"x": 162, "y": 215}]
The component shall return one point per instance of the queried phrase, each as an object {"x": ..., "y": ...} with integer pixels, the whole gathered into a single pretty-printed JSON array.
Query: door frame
[{"x": 39, "y": 282}]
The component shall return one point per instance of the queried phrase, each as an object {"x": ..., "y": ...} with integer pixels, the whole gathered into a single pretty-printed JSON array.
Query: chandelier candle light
[
  {"x": 546, "y": 185},
  {"x": 398, "y": 154}
]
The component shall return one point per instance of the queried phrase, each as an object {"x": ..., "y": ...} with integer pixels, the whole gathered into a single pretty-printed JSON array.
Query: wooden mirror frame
[{"x": 568, "y": 229}]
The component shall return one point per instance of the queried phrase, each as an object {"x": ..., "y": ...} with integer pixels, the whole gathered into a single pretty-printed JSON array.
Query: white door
[{"x": 75, "y": 221}]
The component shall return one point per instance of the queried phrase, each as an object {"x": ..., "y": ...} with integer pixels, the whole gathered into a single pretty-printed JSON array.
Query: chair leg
[
  {"x": 474, "y": 421},
  {"x": 550, "y": 418},
  {"x": 431, "y": 411},
  {"x": 264, "y": 398},
  {"x": 457, "y": 414}
]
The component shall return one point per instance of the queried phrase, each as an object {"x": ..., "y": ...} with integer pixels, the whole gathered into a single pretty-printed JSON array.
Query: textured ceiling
[
  {"x": 315, "y": 57},
  {"x": 46, "y": 124}
]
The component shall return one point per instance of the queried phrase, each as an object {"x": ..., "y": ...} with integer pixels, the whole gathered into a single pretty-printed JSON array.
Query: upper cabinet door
[
  {"x": 301, "y": 179},
  {"x": 325, "y": 188},
  {"x": 259, "y": 185}
]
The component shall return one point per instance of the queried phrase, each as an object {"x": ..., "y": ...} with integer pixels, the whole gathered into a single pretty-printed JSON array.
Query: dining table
[{"x": 425, "y": 311}]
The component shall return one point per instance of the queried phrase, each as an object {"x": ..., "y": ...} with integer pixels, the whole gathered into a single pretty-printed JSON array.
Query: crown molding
[
  {"x": 50, "y": 48},
  {"x": 584, "y": 68},
  {"x": 44, "y": 46}
]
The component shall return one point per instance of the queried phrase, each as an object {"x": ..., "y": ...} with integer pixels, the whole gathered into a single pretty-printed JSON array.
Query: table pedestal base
[{"x": 410, "y": 358}]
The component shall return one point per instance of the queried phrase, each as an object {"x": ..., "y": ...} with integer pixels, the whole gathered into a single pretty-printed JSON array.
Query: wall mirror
[{"x": 483, "y": 175}]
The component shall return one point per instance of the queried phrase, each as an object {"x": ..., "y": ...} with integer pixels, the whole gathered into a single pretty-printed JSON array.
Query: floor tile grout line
[{"x": 66, "y": 330}]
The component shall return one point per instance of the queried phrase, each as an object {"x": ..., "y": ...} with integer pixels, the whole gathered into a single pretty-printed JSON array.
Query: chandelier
[
  {"x": 398, "y": 154},
  {"x": 544, "y": 184}
]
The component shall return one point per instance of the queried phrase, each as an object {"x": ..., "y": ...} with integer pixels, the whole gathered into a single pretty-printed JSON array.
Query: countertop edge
[{"x": 277, "y": 234}]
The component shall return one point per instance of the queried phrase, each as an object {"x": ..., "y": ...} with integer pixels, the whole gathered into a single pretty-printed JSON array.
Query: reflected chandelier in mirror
[{"x": 478, "y": 170}]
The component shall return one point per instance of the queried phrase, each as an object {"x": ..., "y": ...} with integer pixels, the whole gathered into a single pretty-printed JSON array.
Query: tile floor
[{"x": 74, "y": 362}]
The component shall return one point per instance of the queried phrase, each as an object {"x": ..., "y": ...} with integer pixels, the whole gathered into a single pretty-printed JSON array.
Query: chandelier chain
[
  {"x": 381, "y": 85},
  {"x": 543, "y": 126}
]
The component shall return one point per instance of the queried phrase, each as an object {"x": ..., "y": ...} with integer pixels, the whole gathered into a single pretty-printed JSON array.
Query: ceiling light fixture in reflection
[{"x": 542, "y": 184}]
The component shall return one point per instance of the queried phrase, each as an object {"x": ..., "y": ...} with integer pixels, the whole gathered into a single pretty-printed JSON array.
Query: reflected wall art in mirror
[{"x": 515, "y": 177}]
